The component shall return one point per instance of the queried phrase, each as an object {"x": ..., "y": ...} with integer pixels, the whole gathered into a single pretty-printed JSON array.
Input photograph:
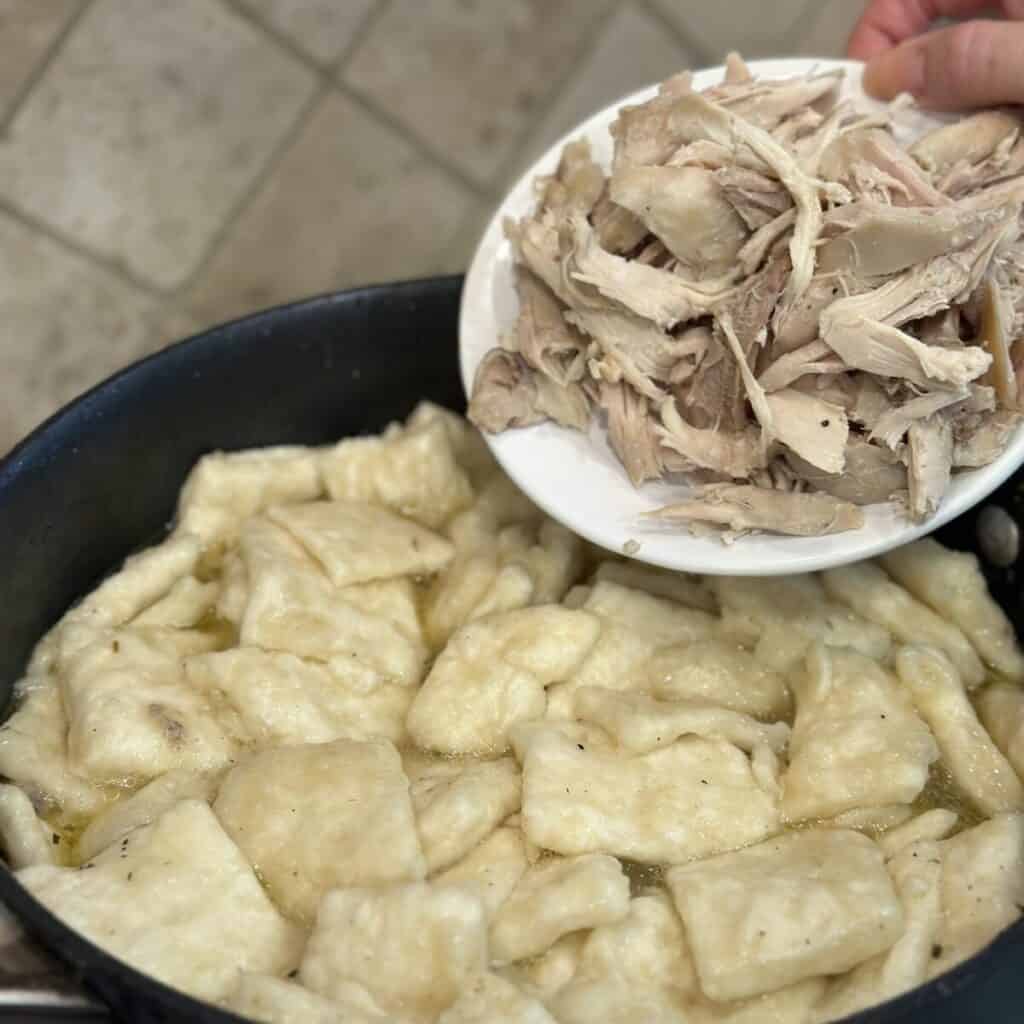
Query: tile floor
[{"x": 167, "y": 166}]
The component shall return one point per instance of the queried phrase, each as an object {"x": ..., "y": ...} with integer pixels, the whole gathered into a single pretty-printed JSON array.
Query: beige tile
[
  {"x": 756, "y": 28},
  {"x": 826, "y": 30},
  {"x": 28, "y": 28},
  {"x": 67, "y": 325},
  {"x": 350, "y": 203},
  {"x": 148, "y": 128},
  {"x": 320, "y": 28},
  {"x": 469, "y": 76},
  {"x": 632, "y": 51}
]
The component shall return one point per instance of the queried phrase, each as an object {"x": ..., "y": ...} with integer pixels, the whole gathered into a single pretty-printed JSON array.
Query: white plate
[{"x": 577, "y": 479}]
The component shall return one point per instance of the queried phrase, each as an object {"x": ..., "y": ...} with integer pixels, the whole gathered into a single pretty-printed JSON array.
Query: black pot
[{"x": 100, "y": 479}]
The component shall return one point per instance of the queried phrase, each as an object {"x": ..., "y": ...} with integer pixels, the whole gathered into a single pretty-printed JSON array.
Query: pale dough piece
[
  {"x": 182, "y": 607},
  {"x": 552, "y": 558},
  {"x": 225, "y": 488},
  {"x": 490, "y": 999},
  {"x": 555, "y": 897},
  {"x": 784, "y": 615},
  {"x": 638, "y": 969},
  {"x": 177, "y": 900},
  {"x": 132, "y": 714},
  {"x": 975, "y": 763},
  {"x": 930, "y": 826},
  {"x": 419, "y": 946},
  {"x": 640, "y": 723},
  {"x": 413, "y": 472},
  {"x": 493, "y": 868},
  {"x": 357, "y": 542},
  {"x": 794, "y": 907},
  {"x": 675, "y": 586},
  {"x": 322, "y": 815},
  {"x": 691, "y": 799},
  {"x": 234, "y": 588},
  {"x": 795, "y": 1004},
  {"x": 951, "y": 582},
  {"x": 279, "y": 698},
  {"x": 1001, "y": 708},
  {"x": 396, "y": 600},
  {"x": 719, "y": 672},
  {"x": 545, "y": 975},
  {"x": 139, "y": 583},
  {"x": 468, "y": 446},
  {"x": 499, "y": 504},
  {"x": 917, "y": 871},
  {"x": 143, "y": 807},
  {"x": 872, "y": 820},
  {"x": 275, "y": 1001},
  {"x": 857, "y": 740},
  {"x": 456, "y": 810},
  {"x": 870, "y": 592},
  {"x": 33, "y": 754},
  {"x": 492, "y": 675},
  {"x": 633, "y": 626},
  {"x": 25, "y": 840},
  {"x": 982, "y": 888},
  {"x": 293, "y": 607}
]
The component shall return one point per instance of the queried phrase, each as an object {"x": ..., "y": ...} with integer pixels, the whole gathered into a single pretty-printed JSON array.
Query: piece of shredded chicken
[{"x": 771, "y": 294}]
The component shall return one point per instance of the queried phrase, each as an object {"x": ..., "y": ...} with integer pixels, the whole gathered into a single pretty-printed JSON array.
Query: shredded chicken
[{"x": 771, "y": 294}]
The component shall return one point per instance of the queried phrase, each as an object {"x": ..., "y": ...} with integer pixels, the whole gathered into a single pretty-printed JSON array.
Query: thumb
[{"x": 975, "y": 64}]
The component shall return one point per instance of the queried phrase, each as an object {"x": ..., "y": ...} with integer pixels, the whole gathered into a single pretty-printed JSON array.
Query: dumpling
[
  {"x": 493, "y": 868},
  {"x": 175, "y": 899},
  {"x": 323, "y": 815},
  {"x": 793, "y": 907},
  {"x": 490, "y": 999},
  {"x": 857, "y": 740},
  {"x": 25, "y": 840},
  {"x": 492, "y": 674}
]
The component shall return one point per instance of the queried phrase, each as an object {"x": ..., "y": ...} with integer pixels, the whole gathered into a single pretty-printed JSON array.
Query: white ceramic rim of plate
[{"x": 578, "y": 471}]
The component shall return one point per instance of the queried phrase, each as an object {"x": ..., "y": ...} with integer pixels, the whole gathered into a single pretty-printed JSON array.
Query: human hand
[{"x": 973, "y": 64}]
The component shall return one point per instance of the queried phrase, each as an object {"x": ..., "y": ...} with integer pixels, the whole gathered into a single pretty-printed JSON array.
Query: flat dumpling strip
[
  {"x": 225, "y": 488},
  {"x": 1001, "y": 708},
  {"x": 277, "y": 698},
  {"x": 555, "y": 897},
  {"x": 420, "y": 945},
  {"x": 411, "y": 470},
  {"x": 930, "y": 826},
  {"x": 492, "y": 675},
  {"x": 142, "y": 807},
  {"x": 691, "y": 799},
  {"x": 978, "y": 768},
  {"x": 870, "y": 592},
  {"x": 356, "y": 541},
  {"x": 291, "y": 606},
  {"x": 177, "y": 900},
  {"x": 634, "y": 625},
  {"x": 459, "y": 805},
  {"x": 982, "y": 888},
  {"x": 25, "y": 840},
  {"x": 640, "y": 723},
  {"x": 132, "y": 714},
  {"x": 493, "y": 868},
  {"x": 322, "y": 815},
  {"x": 790, "y": 908},
  {"x": 34, "y": 755},
  {"x": 857, "y": 740},
  {"x": 951, "y": 582},
  {"x": 917, "y": 872},
  {"x": 273, "y": 1000},
  {"x": 491, "y": 999}
]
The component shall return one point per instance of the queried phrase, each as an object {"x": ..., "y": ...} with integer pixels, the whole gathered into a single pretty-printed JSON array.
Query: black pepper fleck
[
  {"x": 824, "y": 423},
  {"x": 936, "y": 951}
]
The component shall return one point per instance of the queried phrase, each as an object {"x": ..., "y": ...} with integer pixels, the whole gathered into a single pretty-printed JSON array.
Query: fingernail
[{"x": 898, "y": 70}]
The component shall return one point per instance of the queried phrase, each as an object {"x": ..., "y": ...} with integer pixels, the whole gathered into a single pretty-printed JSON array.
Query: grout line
[
  {"x": 366, "y": 26},
  {"x": 42, "y": 66},
  {"x": 111, "y": 266},
  {"x": 691, "y": 44},
  {"x": 270, "y": 165},
  {"x": 588, "y": 47},
  {"x": 275, "y": 35},
  {"x": 371, "y": 107}
]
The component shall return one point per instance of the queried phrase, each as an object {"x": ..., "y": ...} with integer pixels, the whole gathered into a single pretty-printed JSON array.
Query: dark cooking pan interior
[{"x": 100, "y": 479}]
